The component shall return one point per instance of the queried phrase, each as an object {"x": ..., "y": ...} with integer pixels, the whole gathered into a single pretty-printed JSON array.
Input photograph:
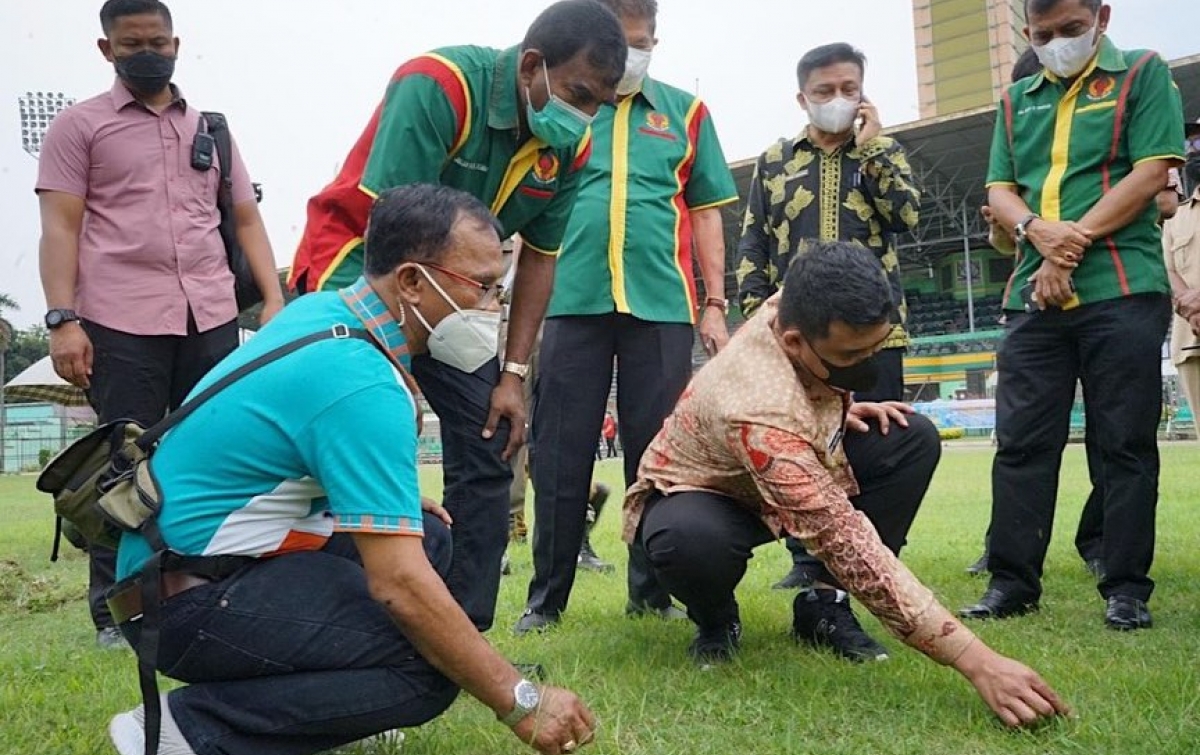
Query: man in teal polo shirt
[
  {"x": 1080, "y": 151},
  {"x": 509, "y": 127},
  {"x": 304, "y": 602},
  {"x": 624, "y": 290}
]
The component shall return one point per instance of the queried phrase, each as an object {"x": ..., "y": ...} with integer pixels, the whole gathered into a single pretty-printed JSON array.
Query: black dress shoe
[
  {"x": 980, "y": 567},
  {"x": 997, "y": 604},
  {"x": 532, "y": 621},
  {"x": 1125, "y": 614}
]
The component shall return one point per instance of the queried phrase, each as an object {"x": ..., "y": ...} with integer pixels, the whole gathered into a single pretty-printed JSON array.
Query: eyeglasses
[{"x": 494, "y": 291}]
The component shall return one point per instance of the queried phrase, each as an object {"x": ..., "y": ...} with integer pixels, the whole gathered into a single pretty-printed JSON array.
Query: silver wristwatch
[
  {"x": 526, "y": 697},
  {"x": 1021, "y": 229},
  {"x": 516, "y": 368}
]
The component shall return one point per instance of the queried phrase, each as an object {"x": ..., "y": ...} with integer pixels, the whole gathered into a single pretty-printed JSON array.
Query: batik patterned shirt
[
  {"x": 776, "y": 451},
  {"x": 800, "y": 193}
]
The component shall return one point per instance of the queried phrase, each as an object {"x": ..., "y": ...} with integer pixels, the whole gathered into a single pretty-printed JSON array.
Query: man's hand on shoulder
[{"x": 885, "y": 413}]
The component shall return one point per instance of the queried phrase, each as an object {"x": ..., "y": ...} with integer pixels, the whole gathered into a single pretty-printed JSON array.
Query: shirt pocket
[
  {"x": 1185, "y": 258},
  {"x": 198, "y": 192}
]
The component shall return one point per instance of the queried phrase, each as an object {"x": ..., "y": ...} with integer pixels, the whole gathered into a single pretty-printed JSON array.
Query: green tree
[
  {"x": 6, "y": 328},
  {"x": 27, "y": 346}
]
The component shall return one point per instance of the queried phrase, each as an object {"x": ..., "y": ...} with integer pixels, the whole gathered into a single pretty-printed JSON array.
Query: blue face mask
[{"x": 559, "y": 124}]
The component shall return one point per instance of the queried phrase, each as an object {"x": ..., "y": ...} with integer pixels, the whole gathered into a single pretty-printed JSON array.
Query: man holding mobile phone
[{"x": 839, "y": 180}]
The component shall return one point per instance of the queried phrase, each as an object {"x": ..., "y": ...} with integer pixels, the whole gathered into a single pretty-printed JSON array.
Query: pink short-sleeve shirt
[{"x": 150, "y": 247}]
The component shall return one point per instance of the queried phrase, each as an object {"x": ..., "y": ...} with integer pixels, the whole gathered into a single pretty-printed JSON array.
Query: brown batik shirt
[{"x": 752, "y": 428}]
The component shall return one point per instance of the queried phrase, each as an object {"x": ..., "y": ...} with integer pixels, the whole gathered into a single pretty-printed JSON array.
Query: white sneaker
[
  {"x": 387, "y": 742},
  {"x": 128, "y": 732},
  {"x": 384, "y": 743}
]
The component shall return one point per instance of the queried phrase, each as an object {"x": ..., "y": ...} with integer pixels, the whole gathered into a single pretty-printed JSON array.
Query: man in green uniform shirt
[
  {"x": 624, "y": 290},
  {"x": 1080, "y": 151},
  {"x": 511, "y": 128}
]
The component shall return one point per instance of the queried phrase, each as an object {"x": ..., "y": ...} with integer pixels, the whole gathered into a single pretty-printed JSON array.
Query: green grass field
[{"x": 1134, "y": 694}]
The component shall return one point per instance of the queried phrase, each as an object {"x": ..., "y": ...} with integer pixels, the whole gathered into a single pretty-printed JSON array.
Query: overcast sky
[{"x": 299, "y": 79}]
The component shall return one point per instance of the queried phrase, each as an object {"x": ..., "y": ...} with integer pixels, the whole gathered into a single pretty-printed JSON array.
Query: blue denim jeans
[
  {"x": 477, "y": 480},
  {"x": 292, "y": 655}
]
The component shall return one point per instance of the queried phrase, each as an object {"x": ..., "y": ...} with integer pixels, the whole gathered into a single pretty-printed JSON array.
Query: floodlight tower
[{"x": 37, "y": 110}]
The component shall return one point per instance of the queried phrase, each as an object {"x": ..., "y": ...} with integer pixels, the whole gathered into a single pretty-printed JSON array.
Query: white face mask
[
  {"x": 1066, "y": 56},
  {"x": 833, "y": 117},
  {"x": 465, "y": 339},
  {"x": 637, "y": 62}
]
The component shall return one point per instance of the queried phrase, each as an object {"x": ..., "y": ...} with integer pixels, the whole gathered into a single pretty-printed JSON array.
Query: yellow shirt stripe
[{"x": 619, "y": 203}]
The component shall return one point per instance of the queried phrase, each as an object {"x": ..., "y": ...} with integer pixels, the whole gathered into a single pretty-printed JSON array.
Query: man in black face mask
[
  {"x": 140, "y": 297},
  {"x": 734, "y": 468}
]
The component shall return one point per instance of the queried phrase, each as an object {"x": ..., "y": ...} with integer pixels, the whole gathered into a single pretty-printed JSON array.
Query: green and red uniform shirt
[
  {"x": 1065, "y": 144},
  {"x": 628, "y": 248},
  {"x": 449, "y": 117}
]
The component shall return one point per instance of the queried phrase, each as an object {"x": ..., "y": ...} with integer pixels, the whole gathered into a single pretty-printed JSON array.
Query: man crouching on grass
[{"x": 763, "y": 442}]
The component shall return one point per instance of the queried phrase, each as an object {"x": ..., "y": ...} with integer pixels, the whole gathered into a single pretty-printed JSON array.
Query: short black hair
[
  {"x": 415, "y": 223},
  {"x": 114, "y": 9},
  {"x": 834, "y": 281},
  {"x": 1026, "y": 65},
  {"x": 569, "y": 27},
  {"x": 828, "y": 55},
  {"x": 642, "y": 9},
  {"x": 1044, "y": 6}
]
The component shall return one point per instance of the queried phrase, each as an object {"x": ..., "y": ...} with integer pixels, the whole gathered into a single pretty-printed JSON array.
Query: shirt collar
[
  {"x": 123, "y": 98},
  {"x": 375, "y": 317},
  {"x": 649, "y": 91},
  {"x": 803, "y": 139},
  {"x": 1107, "y": 58},
  {"x": 503, "y": 100}
]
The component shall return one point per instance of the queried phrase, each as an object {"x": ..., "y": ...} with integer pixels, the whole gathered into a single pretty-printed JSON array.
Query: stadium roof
[{"x": 949, "y": 155}]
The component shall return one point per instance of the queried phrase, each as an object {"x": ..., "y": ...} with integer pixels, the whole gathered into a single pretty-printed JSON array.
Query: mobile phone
[
  {"x": 1027, "y": 299},
  {"x": 203, "y": 149},
  {"x": 1030, "y": 303}
]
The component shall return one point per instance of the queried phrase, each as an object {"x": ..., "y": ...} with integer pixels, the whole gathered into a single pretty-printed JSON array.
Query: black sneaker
[
  {"x": 823, "y": 619},
  {"x": 590, "y": 561},
  {"x": 716, "y": 645},
  {"x": 795, "y": 579}
]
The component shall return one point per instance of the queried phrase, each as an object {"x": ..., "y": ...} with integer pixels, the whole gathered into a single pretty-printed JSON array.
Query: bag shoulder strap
[
  {"x": 218, "y": 127},
  {"x": 152, "y": 435}
]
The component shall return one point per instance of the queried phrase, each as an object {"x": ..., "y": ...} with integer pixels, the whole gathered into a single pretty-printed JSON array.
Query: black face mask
[
  {"x": 146, "y": 72},
  {"x": 860, "y": 376}
]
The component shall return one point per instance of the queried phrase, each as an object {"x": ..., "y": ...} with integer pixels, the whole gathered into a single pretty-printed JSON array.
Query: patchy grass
[{"x": 1135, "y": 694}]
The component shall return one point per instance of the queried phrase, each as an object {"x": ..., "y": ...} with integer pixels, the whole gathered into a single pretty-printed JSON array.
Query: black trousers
[
  {"x": 142, "y": 378},
  {"x": 700, "y": 543},
  {"x": 477, "y": 481},
  {"x": 889, "y": 388},
  {"x": 654, "y": 364},
  {"x": 1113, "y": 348}
]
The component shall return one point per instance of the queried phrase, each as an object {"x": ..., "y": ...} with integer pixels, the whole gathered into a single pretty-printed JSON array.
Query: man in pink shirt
[{"x": 139, "y": 292}]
